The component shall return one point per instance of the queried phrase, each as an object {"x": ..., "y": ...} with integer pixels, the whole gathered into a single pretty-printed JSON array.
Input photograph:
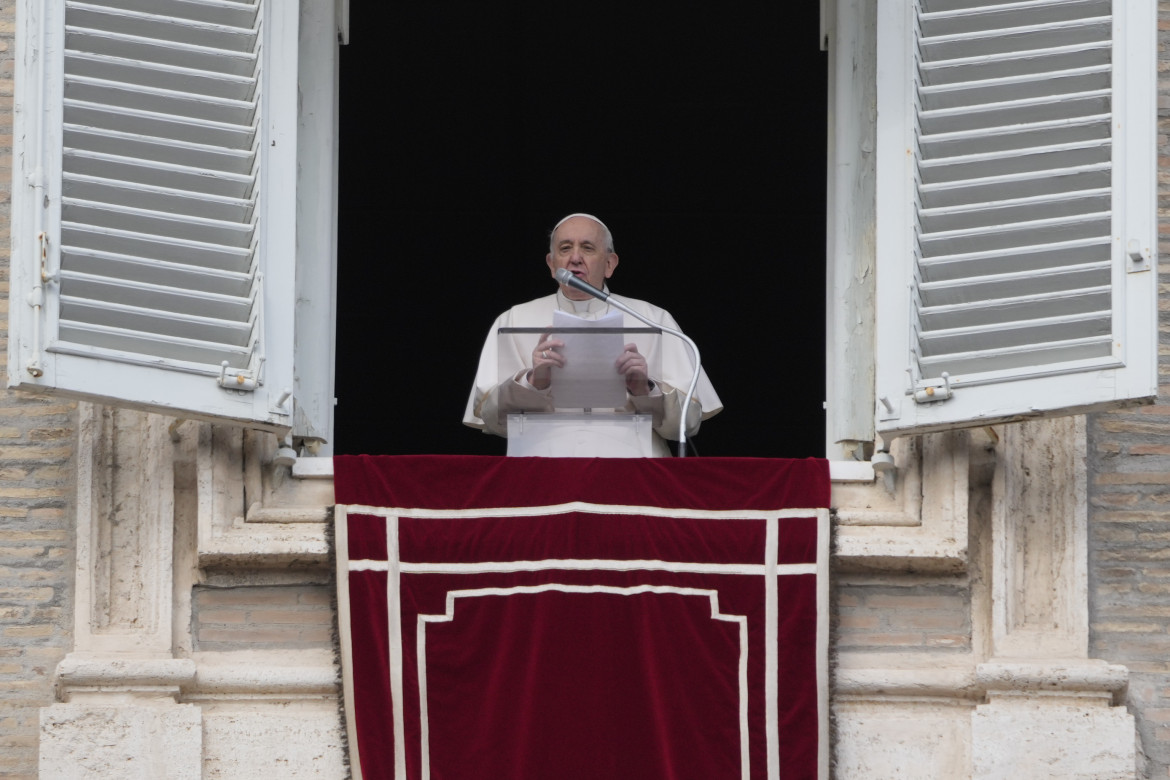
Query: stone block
[
  {"x": 129, "y": 741},
  {"x": 1015, "y": 737}
]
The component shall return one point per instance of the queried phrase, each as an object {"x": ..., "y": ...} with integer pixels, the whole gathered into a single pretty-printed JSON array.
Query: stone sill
[{"x": 839, "y": 470}]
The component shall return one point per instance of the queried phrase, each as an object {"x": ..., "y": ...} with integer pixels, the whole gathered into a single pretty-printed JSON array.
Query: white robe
[{"x": 490, "y": 393}]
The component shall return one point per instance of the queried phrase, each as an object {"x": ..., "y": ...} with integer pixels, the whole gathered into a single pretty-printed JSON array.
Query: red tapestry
[{"x": 584, "y": 618}]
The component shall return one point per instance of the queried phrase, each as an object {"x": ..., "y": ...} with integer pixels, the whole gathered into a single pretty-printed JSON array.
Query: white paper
[{"x": 589, "y": 379}]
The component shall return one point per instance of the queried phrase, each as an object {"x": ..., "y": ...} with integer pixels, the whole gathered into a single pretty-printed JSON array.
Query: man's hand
[
  {"x": 632, "y": 365},
  {"x": 544, "y": 357}
]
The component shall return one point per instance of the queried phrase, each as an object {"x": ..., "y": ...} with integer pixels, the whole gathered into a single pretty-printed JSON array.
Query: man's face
[{"x": 579, "y": 246}]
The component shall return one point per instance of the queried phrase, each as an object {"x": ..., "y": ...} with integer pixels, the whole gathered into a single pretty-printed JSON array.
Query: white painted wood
[
  {"x": 316, "y": 294},
  {"x": 1015, "y": 177},
  {"x": 161, "y": 156},
  {"x": 849, "y": 290}
]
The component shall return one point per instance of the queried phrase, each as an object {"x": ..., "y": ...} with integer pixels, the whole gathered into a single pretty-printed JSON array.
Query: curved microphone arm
[{"x": 564, "y": 276}]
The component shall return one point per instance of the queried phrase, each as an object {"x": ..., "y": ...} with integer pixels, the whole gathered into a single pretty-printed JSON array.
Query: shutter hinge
[
  {"x": 929, "y": 394},
  {"x": 36, "y": 299},
  {"x": 235, "y": 379}
]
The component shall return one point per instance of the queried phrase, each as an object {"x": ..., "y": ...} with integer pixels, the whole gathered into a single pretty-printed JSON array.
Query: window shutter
[
  {"x": 1015, "y": 209},
  {"x": 154, "y": 205}
]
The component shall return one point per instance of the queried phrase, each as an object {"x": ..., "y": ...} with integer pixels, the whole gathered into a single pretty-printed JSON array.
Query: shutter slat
[
  {"x": 193, "y": 130},
  {"x": 162, "y": 28},
  {"x": 1000, "y": 237},
  {"x": 164, "y": 150},
  {"x": 231, "y": 13},
  {"x": 149, "y": 346},
  {"x": 153, "y": 271},
  {"x": 158, "y": 223},
  {"x": 178, "y": 54},
  {"x": 1017, "y": 334},
  {"x": 1016, "y": 63},
  {"x": 160, "y": 101},
  {"x": 1001, "y": 17},
  {"x": 104, "y": 239},
  {"x": 961, "y": 365},
  {"x": 79, "y": 312},
  {"x": 1061, "y": 132},
  {"x": 1020, "y": 112},
  {"x": 140, "y": 295},
  {"x": 982, "y": 287},
  {"x": 1015, "y": 309},
  {"x": 94, "y": 188},
  {"x": 1036, "y": 209},
  {"x": 1015, "y": 88},
  {"x": 159, "y": 174},
  {"x": 1023, "y": 259},
  {"x": 124, "y": 70},
  {"x": 1015, "y": 161},
  {"x": 1028, "y": 38},
  {"x": 1013, "y": 186}
]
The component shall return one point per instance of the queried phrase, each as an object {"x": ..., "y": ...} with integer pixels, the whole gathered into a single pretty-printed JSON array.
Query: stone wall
[
  {"x": 36, "y": 569},
  {"x": 258, "y": 617},
  {"x": 1129, "y": 507},
  {"x": 36, "y": 521}
]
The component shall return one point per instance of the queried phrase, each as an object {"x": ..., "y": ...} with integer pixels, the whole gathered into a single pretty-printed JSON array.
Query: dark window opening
[{"x": 468, "y": 128}]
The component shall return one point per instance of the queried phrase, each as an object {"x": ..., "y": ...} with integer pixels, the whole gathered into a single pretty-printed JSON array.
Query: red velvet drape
[{"x": 584, "y": 618}]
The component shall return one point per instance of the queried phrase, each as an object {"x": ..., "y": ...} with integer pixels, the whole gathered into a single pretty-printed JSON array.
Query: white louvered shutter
[
  {"x": 154, "y": 205},
  {"x": 1016, "y": 223}
]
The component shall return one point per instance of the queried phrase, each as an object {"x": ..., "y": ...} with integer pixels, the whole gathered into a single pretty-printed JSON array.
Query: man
[{"x": 583, "y": 244}]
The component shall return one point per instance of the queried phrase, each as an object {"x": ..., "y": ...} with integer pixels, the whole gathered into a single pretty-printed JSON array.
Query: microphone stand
[{"x": 564, "y": 276}]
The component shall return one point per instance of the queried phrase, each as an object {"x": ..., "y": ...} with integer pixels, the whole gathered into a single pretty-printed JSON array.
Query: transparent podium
[{"x": 585, "y": 412}]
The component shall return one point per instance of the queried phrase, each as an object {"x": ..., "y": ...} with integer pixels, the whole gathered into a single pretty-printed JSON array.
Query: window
[{"x": 175, "y": 210}]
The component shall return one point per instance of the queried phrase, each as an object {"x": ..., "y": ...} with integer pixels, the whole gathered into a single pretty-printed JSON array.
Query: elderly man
[{"x": 583, "y": 244}]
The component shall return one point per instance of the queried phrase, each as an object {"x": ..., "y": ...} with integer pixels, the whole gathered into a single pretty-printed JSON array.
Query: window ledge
[{"x": 839, "y": 470}]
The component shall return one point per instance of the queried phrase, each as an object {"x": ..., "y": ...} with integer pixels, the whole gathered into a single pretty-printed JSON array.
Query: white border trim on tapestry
[
  {"x": 449, "y": 616},
  {"x": 341, "y": 542}
]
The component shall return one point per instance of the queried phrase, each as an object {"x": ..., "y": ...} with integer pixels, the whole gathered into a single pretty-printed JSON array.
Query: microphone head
[{"x": 566, "y": 277}]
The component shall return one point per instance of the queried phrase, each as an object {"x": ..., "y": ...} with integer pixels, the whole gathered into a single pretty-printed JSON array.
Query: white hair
[{"x": 608, "y": 236}]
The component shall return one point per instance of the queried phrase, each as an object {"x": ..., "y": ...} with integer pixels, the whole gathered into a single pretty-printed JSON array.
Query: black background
[{"x": 695, "y": 131}]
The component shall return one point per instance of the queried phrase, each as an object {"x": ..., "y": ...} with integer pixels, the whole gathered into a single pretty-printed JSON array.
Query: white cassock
[{"x": 512, "y": 358}]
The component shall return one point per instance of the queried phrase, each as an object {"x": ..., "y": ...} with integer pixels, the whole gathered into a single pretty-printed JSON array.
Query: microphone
[{"x": 565, "y": 276}]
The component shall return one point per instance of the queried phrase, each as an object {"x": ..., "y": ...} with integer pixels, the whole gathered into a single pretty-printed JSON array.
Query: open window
[{"x": 173, "y": 210}]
